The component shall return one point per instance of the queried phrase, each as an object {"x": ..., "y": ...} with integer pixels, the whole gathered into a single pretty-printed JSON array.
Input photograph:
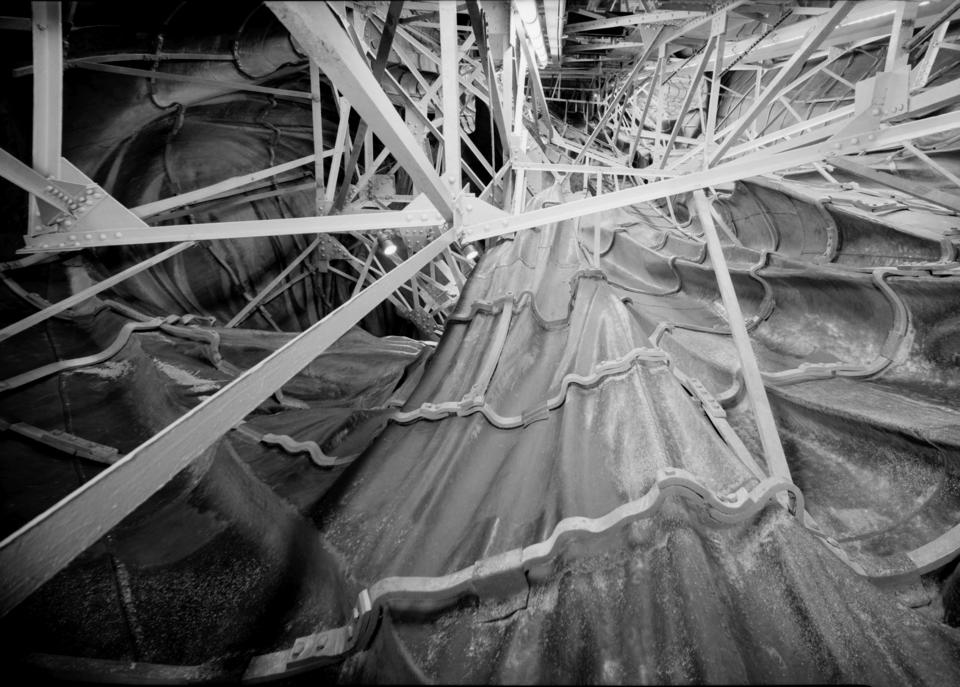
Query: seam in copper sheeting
[
  {"x": 891, "y": 349},
  {"x": 510, "y": 572}
]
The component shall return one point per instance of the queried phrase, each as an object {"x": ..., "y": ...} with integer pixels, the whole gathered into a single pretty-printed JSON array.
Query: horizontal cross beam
[{"x": 90, "y": 237}]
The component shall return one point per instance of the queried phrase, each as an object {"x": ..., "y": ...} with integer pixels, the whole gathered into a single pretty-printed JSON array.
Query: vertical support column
[
  {"x": 450, "y": 75},
  {"x": 769, "y": 437},
  {"x": 519, "y": 190},
  {"x": 521, "y": 92},
  {"x": 368, "y": 153},
  {"x": 506, "y": 77},
  {"x": 47, "y": 88},
  {"x": 718, "y": 29},
  {"x": 320, "y": 201},
  {"x": 338, "y": 146},
  {"x": 661, "y": 99},
  {"x": 903, "y": 22},
  {"x": 47, "y": 97}
]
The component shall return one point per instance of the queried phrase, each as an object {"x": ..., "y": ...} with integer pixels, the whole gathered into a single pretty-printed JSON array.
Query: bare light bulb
[{"x": 388, "y": 246}]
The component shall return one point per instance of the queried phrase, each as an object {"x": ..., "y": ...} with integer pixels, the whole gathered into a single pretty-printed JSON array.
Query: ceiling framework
[{"x": 617, "y": 65}]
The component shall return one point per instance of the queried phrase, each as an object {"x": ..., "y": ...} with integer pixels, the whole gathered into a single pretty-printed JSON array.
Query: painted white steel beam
[
  {"x": 718, "y": 29},
  {"x": 47, "y": 88},
  {"x": 83, "y": 295},
  {"x": 37, "y": 551},
  {"x": 47, "y": 98},
  {"x": 756, "y": 393},
  {"x": 164, "y": 204},
  {"x": 319, "y": 34},
  {"x": 27, "y": 178},
  {"x": 316, "y": 115},
  {"x": 565, "y": 168},
  {"x": 88, "y": 237},
  {"x": 450, "y": 78},
  {"x": 926, "y": 192}
]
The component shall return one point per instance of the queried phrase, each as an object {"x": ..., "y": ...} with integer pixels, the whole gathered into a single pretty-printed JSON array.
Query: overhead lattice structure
[{"x": 528, "y": 341}]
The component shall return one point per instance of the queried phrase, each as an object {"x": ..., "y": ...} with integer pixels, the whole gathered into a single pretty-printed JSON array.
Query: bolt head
[
  {"x": 854, "y": 140},
  {"x": 117, "y": 234},
  {"x": 875, "y": 112},
  {"x": 103, "y": 237},
  {"x": 67, "y": 223}
]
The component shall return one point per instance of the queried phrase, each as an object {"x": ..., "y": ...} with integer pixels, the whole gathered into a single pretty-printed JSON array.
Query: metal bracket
[
  {"x": 91, "y": 214},
  {"x": 878, "y": 99},
  {"x": 64, "y": 441}
]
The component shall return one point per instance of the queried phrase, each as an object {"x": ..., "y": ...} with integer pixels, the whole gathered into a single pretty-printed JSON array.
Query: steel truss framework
[{"x": 68, "y": 211}]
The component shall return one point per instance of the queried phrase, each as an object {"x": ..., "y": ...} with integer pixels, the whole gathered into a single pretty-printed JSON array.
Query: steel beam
[
  {"x": 339, "y": 146},
  {"x": 226, "y": 86},
  {"x": 697, "y": 22},
  {"x": 951, "y": 201},
  {"x": 47, "y": 99},
  {"x": 47, "y": 88},
  {"x": 319, "y": 34},
  {"x": 37, "y": 551},
  {"x": 718, "y": 30},
  {"x": 565, "y": 168},
  {"x": 83, "y": 237},
  {"x": 940, "y": 20},
  {"x": 27, "y": 178},
  {"x": 651, "y": 89},
  {"x": 255, "y": 302},
  {"x": 903, "y": 23},
  {"x": 164, "y": 204},
  {"x": 450, "y": 92},
  {"x": 316, "y": 114},
  {"x": 933, "y": 164},
  {"x": 756, "y": 393},
  {"x": 83, "y": 295}
]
